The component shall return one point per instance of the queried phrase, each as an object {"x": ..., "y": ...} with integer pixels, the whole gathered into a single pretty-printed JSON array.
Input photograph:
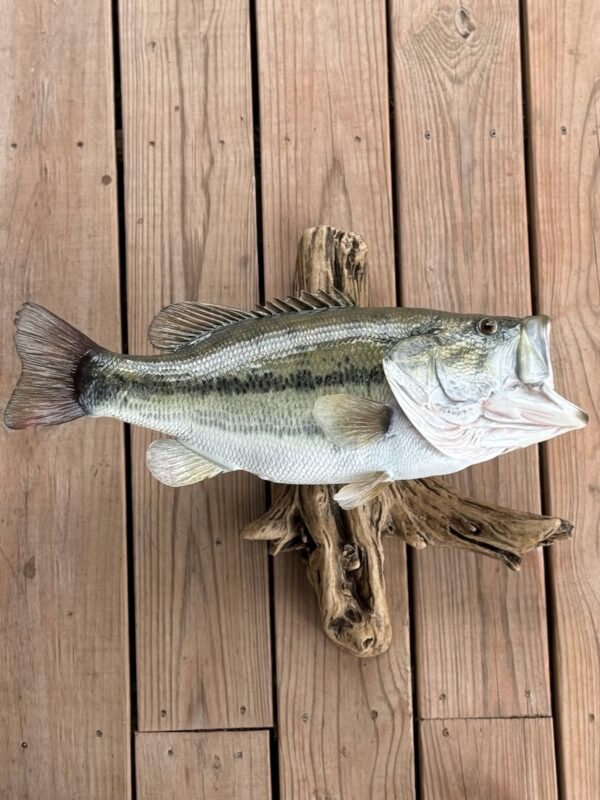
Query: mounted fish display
[{"x": 310, "y": 390}]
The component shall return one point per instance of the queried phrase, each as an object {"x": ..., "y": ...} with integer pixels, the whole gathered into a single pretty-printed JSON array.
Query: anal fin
[{"x": 174, "y": 464}]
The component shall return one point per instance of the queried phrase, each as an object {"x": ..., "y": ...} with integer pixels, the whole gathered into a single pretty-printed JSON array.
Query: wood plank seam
[
  {"x": 517, "y": 716},
  {"x": 128, "y": 488},
  {"x": 207, "y": 730}
]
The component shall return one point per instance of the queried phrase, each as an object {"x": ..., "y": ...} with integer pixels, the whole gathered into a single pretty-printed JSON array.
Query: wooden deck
[{"x": 146, "y": 651}]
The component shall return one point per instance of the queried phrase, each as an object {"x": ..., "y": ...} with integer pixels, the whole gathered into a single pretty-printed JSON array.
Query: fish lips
[
  {"x": 533, "y": 352},
  {"x": 535, "y": 401},
  {"x": 534, "y": 408}
]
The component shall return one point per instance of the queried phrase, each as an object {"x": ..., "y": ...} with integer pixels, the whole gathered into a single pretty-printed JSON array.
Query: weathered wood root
[
  {"x": 344, "y": 559},
  {"x": 429, "y": 512},
  {"x": 420, "y": 512},
  {"x": 344, "y": 553},
  {"x": 343, "y": 549}
]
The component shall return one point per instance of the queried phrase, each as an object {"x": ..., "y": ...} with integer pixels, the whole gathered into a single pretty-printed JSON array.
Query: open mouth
[
  {"x": 536, "y": 401},
  {"x": 536, "y": 408}
]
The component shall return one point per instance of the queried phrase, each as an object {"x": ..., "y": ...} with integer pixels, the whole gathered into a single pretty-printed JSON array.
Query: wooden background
[{"x": 155, "y": 151}]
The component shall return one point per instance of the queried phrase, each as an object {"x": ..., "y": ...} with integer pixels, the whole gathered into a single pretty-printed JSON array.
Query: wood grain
[
  {"x": 225, "y": 765},
  {"x": 564, "y": 121},
  {"x": 201, "y": 593},
  {"x": 481, "y": 642},
  {"x": 345, "y": 726},
  {"x": 467, "y": 759},
  {"x": 64, "y": 700},
  {"x": 324, "y": 132}
]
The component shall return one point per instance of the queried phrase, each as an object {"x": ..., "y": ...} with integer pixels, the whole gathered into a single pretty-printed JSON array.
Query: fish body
[
  {"x": 309, "y": 391},
  {"x": 245, "y": 395}
]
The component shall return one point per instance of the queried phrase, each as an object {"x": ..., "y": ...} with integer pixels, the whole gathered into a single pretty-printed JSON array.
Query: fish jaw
[
  {"x": 535, "y": 400},
  {"x": 534, "y": 407},
  {"x": 517, "y": 415}
]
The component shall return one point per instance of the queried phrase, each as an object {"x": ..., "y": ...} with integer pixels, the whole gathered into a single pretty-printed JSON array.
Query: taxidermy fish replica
[{"x": 309, "y": 390}]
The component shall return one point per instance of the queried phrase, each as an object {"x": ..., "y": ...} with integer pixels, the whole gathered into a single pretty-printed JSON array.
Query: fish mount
[{"x": 343, "y": 550}]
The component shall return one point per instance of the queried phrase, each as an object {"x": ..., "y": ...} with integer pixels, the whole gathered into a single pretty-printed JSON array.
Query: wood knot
[
  {"x": 464, "y": 23},
  {"x": 29, "y": 568}
]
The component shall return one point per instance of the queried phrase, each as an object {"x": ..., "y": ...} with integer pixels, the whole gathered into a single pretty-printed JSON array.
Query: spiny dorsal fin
[
  {"x": 173, "y": 463},
  {"x": 307, "y": 301},
  {"x": 351, "y": 421},
  {"x": 182, "y": 324}
]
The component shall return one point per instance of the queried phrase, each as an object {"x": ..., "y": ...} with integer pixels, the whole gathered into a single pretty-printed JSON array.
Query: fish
[{"x": 308, "y": 390}]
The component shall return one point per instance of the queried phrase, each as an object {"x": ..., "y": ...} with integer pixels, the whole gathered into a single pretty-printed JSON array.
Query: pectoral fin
[
  {"x": 360, "y": 492},
  {"x": 351, "y": 421},
  {"x": 174, "y": 464}
]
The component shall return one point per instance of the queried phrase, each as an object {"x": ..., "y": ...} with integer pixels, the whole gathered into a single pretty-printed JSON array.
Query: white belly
[{"x": 403, "y": 454}]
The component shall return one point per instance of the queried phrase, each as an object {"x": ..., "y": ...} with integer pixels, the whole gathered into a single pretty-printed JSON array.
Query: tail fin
[{"x": 51, "y": 351}]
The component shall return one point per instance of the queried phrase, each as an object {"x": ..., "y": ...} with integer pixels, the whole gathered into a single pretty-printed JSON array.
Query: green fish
[{"x": 309, "y": 390}]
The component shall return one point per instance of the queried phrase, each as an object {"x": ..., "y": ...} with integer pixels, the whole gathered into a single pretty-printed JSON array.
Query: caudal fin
[{"x": 51, "y": 351}]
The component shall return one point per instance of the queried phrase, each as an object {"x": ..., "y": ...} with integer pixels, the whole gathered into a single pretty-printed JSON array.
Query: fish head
[
  {"x": 479, "y": 386},
  {"x": 459, "y": 359}
]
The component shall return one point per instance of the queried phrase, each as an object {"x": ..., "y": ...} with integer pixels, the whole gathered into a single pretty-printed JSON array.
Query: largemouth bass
[{"x": 309, "y": 390}]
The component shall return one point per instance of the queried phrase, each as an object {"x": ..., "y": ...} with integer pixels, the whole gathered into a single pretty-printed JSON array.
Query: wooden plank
[
  {"x": 203, "y": 641},
  {"x": 481, "y": 639},
  {"x": 564, "y": 118},
  {"x": 324, "y": 132},
  {"x": 64, "y": 700},
  {"x": 203, "y": 766},
  {"x": 467, "y": 759},
  {"x": 345, "y": 725}
]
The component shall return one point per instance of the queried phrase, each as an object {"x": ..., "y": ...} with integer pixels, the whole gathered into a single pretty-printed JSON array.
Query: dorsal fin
[{"x": 182, "y": 324}]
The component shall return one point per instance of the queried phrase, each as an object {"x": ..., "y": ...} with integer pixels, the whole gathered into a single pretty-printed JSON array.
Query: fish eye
[{"x": 488, "y": 326}]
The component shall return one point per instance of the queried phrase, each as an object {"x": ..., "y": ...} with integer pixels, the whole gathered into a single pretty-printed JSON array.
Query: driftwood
[{"x": 343, "y": 549}]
